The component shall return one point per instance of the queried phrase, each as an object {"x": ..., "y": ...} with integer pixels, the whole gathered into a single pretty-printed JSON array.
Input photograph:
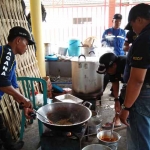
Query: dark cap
[
  {"x": 106, "y": 60},
  {"x": 117, "y": 16},
  {"x": 140, "y": 10},
  {"x": 22, "y": 32},
  {"x": 128, "y": 27}
]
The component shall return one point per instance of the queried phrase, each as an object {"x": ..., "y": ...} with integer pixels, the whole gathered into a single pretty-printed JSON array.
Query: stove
[
  {"x": 93, "y": 98},
  {"x": 62, "y": 140}
]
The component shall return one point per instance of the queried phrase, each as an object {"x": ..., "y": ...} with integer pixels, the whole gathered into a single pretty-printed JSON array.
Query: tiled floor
[{"x": 31, "y": 137}]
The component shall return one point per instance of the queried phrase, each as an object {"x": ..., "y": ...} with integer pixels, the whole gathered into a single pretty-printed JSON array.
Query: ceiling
[{"x": 82, "y": 2}]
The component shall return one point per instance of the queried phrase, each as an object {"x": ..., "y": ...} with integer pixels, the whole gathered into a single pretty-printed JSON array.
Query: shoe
[
  {"x": 108, "y": 125},
  {"x": 15, "y": 146}
]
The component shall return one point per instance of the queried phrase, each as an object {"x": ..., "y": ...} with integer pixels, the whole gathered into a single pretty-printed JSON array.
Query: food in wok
[{"x": 64, "y": 122}]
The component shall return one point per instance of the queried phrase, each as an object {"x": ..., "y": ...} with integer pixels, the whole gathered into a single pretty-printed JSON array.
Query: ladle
[
  {"x": 111, "y": 135},
  {"x": 49, "y": 121}
]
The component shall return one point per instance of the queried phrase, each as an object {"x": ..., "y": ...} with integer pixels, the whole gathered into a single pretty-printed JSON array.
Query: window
[{"x": 82, "y": 20}]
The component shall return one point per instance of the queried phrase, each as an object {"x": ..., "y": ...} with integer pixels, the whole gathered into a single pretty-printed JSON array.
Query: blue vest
[{"x": 114, "y": 38}]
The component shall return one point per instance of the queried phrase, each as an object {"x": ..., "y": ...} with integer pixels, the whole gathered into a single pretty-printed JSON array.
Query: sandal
[
  {"x": 107, "y": 125},
  {"x": 117, "y": 125}
]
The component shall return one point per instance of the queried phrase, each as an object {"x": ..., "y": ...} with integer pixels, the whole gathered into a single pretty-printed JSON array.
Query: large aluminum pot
[
  {"x": 85, "y": 79},
  {"x": 96, "y": 147},
  {"x": 77, "y": 114}
]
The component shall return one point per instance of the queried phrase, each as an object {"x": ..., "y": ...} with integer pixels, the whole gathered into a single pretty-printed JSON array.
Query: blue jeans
[{"x": 138, "y": 133}]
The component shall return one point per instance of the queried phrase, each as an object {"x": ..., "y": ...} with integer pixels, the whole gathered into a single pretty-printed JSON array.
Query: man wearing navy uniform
[
  {"x": 130, "y": 38},
  {"x": 136, "y": 106},
  {"x": 114, "y": 37},
  {"x": 18, "y": 40},
  {"x": 113, "y": 66}
]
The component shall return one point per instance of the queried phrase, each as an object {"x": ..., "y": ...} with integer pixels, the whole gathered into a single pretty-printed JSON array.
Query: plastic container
[
  {"x": 31, "y": 97},
  {"x": 69, "y": 98},
  {"x": 57, "y": 88},
  {"x": 51, "y": 57},
  {"x": 62, "y": 51},
  {"x": 74, "y": 49},
  {"x": 47, "y": 49},
  {"x": 39, "y": 100},
  {"x": 49, "y": 101}
]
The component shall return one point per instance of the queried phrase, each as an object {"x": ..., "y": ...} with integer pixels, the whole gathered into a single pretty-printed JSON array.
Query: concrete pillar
[
  {"x": 36, "y": 21},
  {"x": 111, "y": 11}
]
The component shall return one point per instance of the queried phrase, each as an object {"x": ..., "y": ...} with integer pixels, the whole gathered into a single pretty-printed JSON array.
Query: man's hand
[
  {"x": 27, "y": 112},
  {"x": 26, "y": 103},
  {"x": 123, "y": 116}
]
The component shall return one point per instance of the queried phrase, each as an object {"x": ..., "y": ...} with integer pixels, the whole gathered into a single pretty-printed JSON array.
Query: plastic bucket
[{"x": 74, "y": 49}]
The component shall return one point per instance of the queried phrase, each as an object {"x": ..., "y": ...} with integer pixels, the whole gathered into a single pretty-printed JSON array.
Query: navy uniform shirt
[
  {"x": 139, "y": 55},
  {"x": 118, "y": 76},
  {"x": 7, "y": 68},
  {"x": 130, "y": 37},
  {"x": 114, "y": 38}
]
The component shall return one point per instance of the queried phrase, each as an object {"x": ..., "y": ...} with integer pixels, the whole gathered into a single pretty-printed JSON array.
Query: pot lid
[{"x": 85, "y": 59}]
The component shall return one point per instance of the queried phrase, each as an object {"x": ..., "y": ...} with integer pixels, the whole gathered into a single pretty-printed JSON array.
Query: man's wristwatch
[
  {"x": 116, "y": 99},
  {"x": 125, "y": 108}
]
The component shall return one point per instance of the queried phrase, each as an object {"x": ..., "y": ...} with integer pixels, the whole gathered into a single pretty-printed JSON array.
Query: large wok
[{"x": 76, "y": 113}]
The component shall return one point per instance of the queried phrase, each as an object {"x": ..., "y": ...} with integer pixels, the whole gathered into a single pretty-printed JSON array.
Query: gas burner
[
  {"x": 77, "y": 132},
  {"x": 91, "y": 96},
  {"x": 61, "y": 140}
]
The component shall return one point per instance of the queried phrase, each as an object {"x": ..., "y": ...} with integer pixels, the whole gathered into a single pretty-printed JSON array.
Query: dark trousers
[
  {"x": 122, "y": 94},
  {"x": 3, "y": 129},
  {"x": 5, "y": 135},
  {"x": 1, "y": 122}
]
